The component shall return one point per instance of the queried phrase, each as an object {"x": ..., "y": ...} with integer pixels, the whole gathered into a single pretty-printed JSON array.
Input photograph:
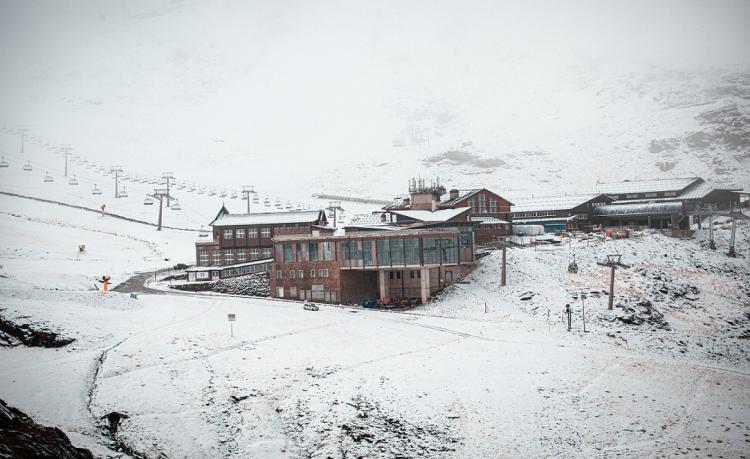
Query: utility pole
[
  {"x": 334, "y": 208},
  {"x": 583, "y": 310},
  {"x": 160, "y": 193},
  {"x": 167, "y": 176},
  {"x": 502, "y": 275},
  {"x": 117, "y": 170},
  {"x": 711, "y": 243},
  {"x": 247, "y": 190},
  {"x": 22, "y": 131},
  {"x": 66, "y": 152},
  {"x": 612, "y": 261},
  {"x": 731, "y": 252}
]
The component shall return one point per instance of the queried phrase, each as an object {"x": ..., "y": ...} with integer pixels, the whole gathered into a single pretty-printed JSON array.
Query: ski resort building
[
  {"x": 487, "y": 213},
  {"x": 665, "y": 203},
  {"x": 559, "y": 213},
  {"x": 242, "y": 243},
  {"x": 394, "y": 266}
]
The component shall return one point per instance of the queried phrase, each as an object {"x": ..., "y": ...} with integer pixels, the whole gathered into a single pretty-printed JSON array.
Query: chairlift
[
  {"x": 176, "y": 206},
  {"x": 212, "y": 193},
  {"x": 48, "y": 178},
  {"x": 256, "y": 200},
  {"x": 96, "y": 191},
  {"x": 203, "y": 232},
  {"x": 73, "y": 181},
  {"x": 148, "y": 201},
  {"x": 233, "y": 196},
  {"x": 27, "y": 166},
  {"x": 123, "y": 193},
  {"x": 223, "y": 194},
  {"x": 3, "y": 162},
  {"x": 201, "y": 191}
]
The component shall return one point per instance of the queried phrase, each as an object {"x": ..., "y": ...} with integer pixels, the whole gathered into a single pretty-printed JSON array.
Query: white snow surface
[{"x": 444, "y": 380}]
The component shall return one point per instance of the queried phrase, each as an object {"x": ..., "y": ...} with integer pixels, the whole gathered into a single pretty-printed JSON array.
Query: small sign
[{"x": 231, "y": 317}]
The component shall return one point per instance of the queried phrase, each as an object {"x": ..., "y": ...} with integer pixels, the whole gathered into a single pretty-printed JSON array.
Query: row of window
[
  {"x": 316, "y": 293},
  {"x": 540, "y": 213},
  {"x": 412, "y": 275},
  {"x": 240, "y": 233},
  {"x": 300, "y": 273},
  {"x": 482, "y": 208},
  {"x": 311, "y": 251},
  {"x": 232, "y": 256}
]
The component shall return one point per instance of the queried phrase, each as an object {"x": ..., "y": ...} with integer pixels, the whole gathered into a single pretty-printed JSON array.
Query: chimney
[
  {"x": 407, "y": 202},
  {"x": 454, "y": 194}
]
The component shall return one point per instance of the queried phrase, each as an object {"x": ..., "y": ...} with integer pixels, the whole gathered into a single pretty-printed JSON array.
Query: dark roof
[{"x": 224, "y": 218}]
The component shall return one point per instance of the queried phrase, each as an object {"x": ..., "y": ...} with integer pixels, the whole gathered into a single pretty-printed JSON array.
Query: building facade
[
  {"x": 559, "y": 213},
  {"x": 239, "y": 241},
  {"x": 392, "y": 266}
]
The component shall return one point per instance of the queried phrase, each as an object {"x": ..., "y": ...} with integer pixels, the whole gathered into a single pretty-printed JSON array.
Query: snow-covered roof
[
  {"x": 645, "y": 186},
  {"x": 648, "y": 208},
  {"x": 441, "y": 215},
  {"x": 369, "y": 234},
  {"x": 365, "y": 219},
  {"x": 487, "y": 220},
  {"x": 462, "y": 194},
  {"x": 551, "y": 202},
  {"x": 269, "y": 218}
]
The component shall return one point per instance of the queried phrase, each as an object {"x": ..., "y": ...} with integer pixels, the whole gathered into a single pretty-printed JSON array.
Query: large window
[
  {"x": 328, "y": 251},
  {"x": 411, "y": 251},
  {"x": 228, "y": 257},
  {"x": 241, "y": 256},
  {"x": 299, "y": 251},
  {"x": 312, "y": 248},
  {"x": 253, "y": 254},
  {"x": 383, "y": 249},
  {"x": 355, "y": 253},
  {"x": 203, "y": 258},
  {"x": 227, "y": 234},
  {"x": 240, "y": 233},
  {"x": 267, "y": 252},
  {"x": 397, "y": 251},
  {"x": 252, "y": 233},
  {"x": 482, "y": 204},
  {"x": 430, "y": 246},
  {"x": 367, "y": 253},
  {"x": 216, "y": 257},
  {"x": 287, "y": 248},
  {"x": 344, "y": 251},
  {"x": 265, "y": 232},
  {"x": 448, "y": 250},
  {"x": 493, "y": 206}
]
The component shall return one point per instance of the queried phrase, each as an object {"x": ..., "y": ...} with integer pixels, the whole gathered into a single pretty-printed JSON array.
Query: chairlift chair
[
  {"x": 96, "y": 191},
  {"x": 233, "y": 196},
  {"x": 48, "y": 178},
  {"x": 123, "y": 193},
  {"x": 3, "y": 162},
  {"x": 223, "y": 194},
  {"x": 176, "y": 206},
  {"x": 148, "y": 201},
  {"x": 212, "y": 193},
  {"x": 201, "y": 191},
  {"x": 73, "y": 181},
  {"x": 27, "y": 166}
]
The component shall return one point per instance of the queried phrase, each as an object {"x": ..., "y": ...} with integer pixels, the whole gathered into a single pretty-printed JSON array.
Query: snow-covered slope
[{"x": 356, "y": 98}]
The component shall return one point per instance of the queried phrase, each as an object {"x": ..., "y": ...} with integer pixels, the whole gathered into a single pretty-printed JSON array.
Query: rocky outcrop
[
  {"x": 21, "y": 437},
  {"x": 12, "y": 334}
]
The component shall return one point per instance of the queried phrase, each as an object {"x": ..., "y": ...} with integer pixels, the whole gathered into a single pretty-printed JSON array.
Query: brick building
[
  {"x": 405, "y": 264},
  {"x": 488, "y": 213},
  {"x": 239, "y": 242}
]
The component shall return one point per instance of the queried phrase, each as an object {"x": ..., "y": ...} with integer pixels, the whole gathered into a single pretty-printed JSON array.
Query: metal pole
[
  {"x": 168, "y": 191},
  {"x": 247, "y": 196},
  {"x": 485, "y": 307},
  {"x": 503, "y": 275},
  {"x": 583, "y": 311},
  {"x": 731, "y": 252},
  {"x": 611, "y": 287},
  {"x": 711, "y": 243},
  {"x": 231, "y": 329},
  {"x": 117, "y": 186},
  {"x": 161, "y": 199}
]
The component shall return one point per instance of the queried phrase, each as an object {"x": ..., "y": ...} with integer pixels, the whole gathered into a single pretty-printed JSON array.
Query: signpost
[{"x": 231, "y": 318}]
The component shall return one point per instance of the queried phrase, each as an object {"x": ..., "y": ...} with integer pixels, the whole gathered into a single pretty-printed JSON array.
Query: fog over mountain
[{"x": 525, "y": 97}]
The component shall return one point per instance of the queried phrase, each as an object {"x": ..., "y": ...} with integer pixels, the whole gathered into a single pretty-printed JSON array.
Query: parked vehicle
[{"x": 311, "y": 307}]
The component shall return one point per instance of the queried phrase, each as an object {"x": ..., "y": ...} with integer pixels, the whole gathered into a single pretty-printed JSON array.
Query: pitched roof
[
  {"x": 462, "y": 194},
  {"x": 269, "y": 218},
  {"x": 441, "y": 215},
  {"x": 487, "y": 220},
  {"x": 552, "y": 202},
  {"x": 645, "y": 186},
  {"x": 647, "y": 208}
]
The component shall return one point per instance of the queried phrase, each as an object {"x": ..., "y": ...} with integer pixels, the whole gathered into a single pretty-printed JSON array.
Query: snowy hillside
[
  {"x": 446, "y": 380},
  {"x": 330, "y": 98}
]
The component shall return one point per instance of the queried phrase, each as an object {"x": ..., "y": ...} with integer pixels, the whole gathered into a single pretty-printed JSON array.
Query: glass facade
[
  {"x": 431, "y": 250},
  {"x": 411, "y": 252},
  {"x": 383, "y": 251},
  {"x": 328, "y": 251},
  {"x": 313, "y": 251},
  {"x": 397, "y": 251},
  {"x": 287, "y": 249}
]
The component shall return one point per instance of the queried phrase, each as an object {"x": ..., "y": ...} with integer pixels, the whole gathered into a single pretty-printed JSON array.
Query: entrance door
[
  {"x": 280, "y": 292},
  {"x": 448, "y": 276}
]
